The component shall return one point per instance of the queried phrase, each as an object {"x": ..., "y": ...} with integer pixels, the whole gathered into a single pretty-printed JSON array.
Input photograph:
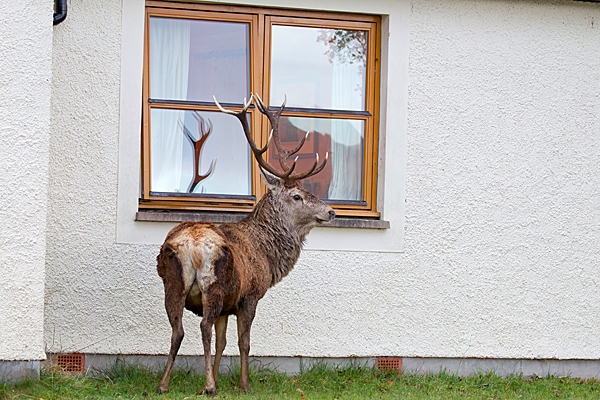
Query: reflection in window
[
  {"x": 173, "y": 135},
  {"x": 343, "y": 139},
  {"x": 193, "y": 60},
  {"x": 323, "y": 68}
]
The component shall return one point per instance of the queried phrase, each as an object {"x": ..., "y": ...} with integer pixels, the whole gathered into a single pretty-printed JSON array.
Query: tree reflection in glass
[{"x": 322, "y": 68}]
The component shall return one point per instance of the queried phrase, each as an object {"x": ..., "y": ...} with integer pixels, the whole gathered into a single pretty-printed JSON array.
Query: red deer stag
[{"x": 217, "y": 271}]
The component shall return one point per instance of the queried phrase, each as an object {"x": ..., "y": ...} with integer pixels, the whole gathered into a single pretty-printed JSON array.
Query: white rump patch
[
  {"x": 206, "y": 274},
  {"x": 198, "y": 255}
]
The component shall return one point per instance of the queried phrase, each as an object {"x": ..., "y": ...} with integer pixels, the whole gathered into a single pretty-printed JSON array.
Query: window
[{"x": 326, "y": 66}]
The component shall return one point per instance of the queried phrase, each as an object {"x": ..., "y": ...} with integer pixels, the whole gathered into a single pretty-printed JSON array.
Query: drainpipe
[{"x": 60, "y": 11}]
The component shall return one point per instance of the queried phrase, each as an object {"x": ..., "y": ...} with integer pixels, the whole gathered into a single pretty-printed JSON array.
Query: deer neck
[{"x": 275, "y": 235}]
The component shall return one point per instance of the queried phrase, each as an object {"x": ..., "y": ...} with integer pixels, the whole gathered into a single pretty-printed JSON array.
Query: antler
[
  {"x": 284, "y": 154},
  {"x": 198, "y": 144}
]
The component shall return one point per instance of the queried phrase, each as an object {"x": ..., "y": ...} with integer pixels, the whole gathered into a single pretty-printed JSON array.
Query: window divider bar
[
  {"x": 194, "y": 103},
  {"x": 320, "y": 111},
  {"x": 345, "y": 202},
  {"x": 203, "y": 195}
]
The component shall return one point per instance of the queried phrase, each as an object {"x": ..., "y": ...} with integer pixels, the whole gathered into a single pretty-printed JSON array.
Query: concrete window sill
[{"x": 220, "y": 218}]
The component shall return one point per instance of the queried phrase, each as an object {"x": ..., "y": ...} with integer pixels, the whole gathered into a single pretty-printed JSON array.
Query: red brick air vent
[
  {"x": 389, "y": 363},
  {"x": 73, "y": 362}
]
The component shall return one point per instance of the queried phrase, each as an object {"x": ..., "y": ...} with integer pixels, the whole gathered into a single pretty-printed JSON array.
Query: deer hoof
[
  {"x": 162, "y": 389},
  {"x": 210, "y": 392}
]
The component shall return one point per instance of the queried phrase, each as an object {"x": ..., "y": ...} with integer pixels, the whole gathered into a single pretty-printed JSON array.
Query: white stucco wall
[
  {"x": 25, "y": 62},
  {"x": 495, "y": 120}
]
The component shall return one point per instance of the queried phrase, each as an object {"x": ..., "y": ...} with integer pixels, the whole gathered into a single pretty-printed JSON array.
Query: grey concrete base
[
  {"x": 503, "y": 367},
  {"x": 16, "y": 371},
  {"x": 96, "y": 363}
]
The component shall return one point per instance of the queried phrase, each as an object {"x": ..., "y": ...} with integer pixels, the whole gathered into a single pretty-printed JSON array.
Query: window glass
[
  {"x": 192, "y": 60},
  {"x": 343, "y": 138},
  {"x": 322, "y": 68},
  {"x": 218, "y": 140}
]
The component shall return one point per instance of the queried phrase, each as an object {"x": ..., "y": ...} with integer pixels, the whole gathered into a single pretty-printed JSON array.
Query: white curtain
[
  {"x": 346, "y": 135},
  {"x": 169, "y": 70}
]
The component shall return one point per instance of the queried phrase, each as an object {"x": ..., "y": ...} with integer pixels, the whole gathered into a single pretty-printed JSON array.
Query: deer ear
[{"x": 271, "y": 180}]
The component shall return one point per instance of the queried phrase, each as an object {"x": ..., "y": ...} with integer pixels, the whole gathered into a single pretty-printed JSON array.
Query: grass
[{"x": 125, "y": 381}]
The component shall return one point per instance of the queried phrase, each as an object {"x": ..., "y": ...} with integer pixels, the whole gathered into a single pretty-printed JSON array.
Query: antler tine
[
  {"x": 264, "y": 109},
  {"x": 286, "y": 175},
  {"x": 241, "y": 115},
  {"x": 200, "y": 120},
  {"x": 273, "y": 117},
  {"x": 226, "y": 111},
  {"x": 267, "y": 167},
  {"x": 283, "y": 175},
  {"x": 314, "y": 170},
  {"x": 297, "y": 148},
  {"x": 258, "y": 152},
  {"x": 213, "y": 163},
  {"x": 210, "y": 127},
  {"x": 260, "y": 104}
]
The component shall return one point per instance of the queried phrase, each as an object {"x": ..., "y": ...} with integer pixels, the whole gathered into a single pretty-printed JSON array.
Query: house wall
[
  {"x": 26, "y": 49},
  {"x": 491, "y": 175}
]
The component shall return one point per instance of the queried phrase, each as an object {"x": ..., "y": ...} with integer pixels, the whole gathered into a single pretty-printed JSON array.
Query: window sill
[{"x": 221, "y": 218}]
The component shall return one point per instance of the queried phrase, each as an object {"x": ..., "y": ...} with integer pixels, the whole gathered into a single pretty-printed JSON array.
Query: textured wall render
[
  {"x": 502, "y": 220},
  {"x": 26, "y": 49},
  {"x": 503, "y": 175}
]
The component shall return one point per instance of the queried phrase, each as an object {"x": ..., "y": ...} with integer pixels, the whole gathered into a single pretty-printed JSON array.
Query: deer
[{"x": 218, "y": 271}]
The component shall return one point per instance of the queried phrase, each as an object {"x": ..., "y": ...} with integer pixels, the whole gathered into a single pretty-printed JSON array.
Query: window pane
[
  {"x": 318, "y": 68},
  {"x": 194, "y": 60},
  {"x": 342, "y": 178},
  {"x": 173, "y": 133}
]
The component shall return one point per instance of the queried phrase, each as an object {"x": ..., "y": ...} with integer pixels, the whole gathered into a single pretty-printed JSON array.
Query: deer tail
[{"x": 167, "y": 260}]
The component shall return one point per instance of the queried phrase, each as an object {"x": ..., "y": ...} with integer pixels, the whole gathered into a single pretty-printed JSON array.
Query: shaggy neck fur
[{"x": 275, "y": 234}]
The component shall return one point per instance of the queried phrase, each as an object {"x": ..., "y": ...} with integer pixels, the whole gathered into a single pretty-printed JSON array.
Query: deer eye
[{"x": 297, "y": 197}]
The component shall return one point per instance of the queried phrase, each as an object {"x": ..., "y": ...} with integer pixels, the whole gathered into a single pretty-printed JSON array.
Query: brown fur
[{"x": 217, "y": 271}]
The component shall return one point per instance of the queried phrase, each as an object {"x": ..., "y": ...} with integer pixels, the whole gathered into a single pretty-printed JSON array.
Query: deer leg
[
  {"x": 221, "y": 342},
  {"x": 244, "y": 322},
  {"x": 211, "y": 311},
  {"x": 174, "y": 305}
]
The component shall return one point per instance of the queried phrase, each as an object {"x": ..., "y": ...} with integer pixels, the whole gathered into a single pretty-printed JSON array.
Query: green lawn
[{"x": 319, "y": 382}]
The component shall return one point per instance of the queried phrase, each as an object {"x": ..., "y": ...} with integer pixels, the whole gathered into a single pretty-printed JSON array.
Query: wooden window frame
[{"x": 260, "y": 21}]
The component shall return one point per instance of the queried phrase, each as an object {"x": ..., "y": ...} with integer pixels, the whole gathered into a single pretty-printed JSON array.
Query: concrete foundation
[
  {"x": 503, "y": 367},
  {"x": 95, "y": 364},
  {"x": 16, "y": 371},
  {"x": 293, "y": 365}
]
